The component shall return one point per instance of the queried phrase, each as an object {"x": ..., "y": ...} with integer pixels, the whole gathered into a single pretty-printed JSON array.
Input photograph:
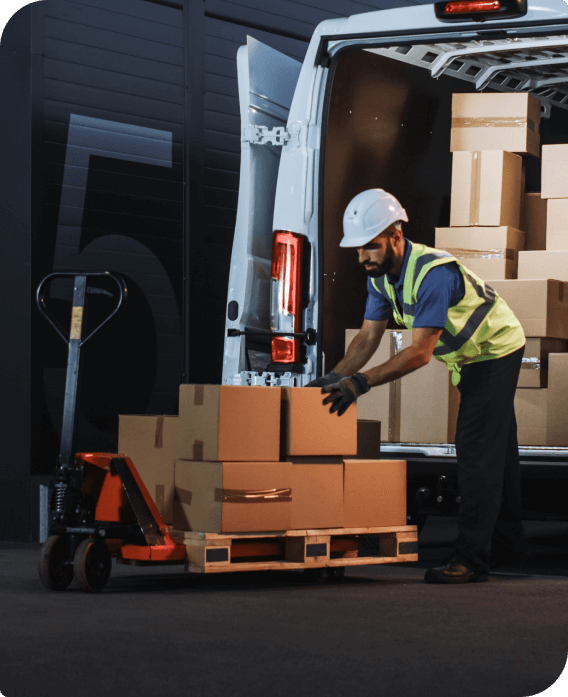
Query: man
[{"x": 457, "y": 318}]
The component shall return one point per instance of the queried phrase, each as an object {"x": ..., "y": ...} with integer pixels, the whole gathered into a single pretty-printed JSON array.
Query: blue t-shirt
[{"x": 442, "y": 288}]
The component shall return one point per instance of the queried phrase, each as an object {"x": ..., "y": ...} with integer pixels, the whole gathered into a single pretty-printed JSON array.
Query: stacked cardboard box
[
  {"x": 539, "y": 300},
  {"x": 152, "y": 444},
  {"x": 404, "y": 407},
  {"x": 488, "y": 195},
  {"x": 244, "y": 459},
  {"x": 490, "y": 134}
]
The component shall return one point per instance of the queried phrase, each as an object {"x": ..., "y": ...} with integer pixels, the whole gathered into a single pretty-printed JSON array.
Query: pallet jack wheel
[
  {"x": 92, "y": 565},
  {"x": 55, "y": 567}
]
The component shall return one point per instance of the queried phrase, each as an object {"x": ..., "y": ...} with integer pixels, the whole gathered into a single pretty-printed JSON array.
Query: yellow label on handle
[{"x": 76, "y": 323}]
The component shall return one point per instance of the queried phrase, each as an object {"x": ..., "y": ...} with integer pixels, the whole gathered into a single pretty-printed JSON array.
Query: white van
[{"x": 369, "y": 107}]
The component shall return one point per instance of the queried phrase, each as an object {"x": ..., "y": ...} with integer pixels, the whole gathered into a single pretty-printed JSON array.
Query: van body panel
[
  {"x": 267, "y": 81},
  {"x": 422, "y": 18}
]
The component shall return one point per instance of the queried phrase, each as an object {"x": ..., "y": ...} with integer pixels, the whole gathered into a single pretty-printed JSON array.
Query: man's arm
[
  {"x": 424, "y": 340},
  {"x": 362, "y": 347}
]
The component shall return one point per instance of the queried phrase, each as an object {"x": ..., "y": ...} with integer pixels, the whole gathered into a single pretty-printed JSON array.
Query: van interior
[{"x": 388, "y": 126}]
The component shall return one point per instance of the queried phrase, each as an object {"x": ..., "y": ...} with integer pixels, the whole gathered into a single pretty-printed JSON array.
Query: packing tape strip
[
  {"x": 248, "y": 496},
  {"x": 475, "y": 192},
  {"x": 494, "y": 122},
  {"x": 531, "y": 362},
  {"x": 508, "y": 254},
  {"x": 198, "y": 450},
  {"x": 198, "y": 395},
  {"x": 394, "y": 392},
  {"x": 159, "y": 439}
]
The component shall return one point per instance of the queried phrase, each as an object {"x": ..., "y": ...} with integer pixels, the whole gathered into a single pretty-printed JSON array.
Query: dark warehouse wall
[{"x": 123, "y": 154}]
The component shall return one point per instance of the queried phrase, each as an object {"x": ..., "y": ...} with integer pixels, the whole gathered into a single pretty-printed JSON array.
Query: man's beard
[{"x": 384, "y": 267}]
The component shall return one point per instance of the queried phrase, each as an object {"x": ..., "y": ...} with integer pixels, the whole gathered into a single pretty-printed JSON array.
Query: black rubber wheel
[
  {"x": 55, "y": 566},
  {"x": 92, "y": 565},
  {"x": 336, "y": 574}
]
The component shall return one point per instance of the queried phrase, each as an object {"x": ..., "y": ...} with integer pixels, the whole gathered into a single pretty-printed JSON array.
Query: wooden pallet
[{"x": 209, "y": 553}]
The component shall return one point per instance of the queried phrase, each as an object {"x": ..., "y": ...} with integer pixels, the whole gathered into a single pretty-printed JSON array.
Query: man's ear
[{"x": 398, "y": 236}]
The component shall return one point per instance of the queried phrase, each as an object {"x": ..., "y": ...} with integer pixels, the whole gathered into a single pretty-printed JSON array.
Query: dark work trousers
[{"x": 488, "y": 462}]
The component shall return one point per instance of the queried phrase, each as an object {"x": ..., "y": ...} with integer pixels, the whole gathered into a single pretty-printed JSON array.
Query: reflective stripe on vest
[
  {"x": 454, "y": 343},
  {"x": 474, "y": 328}
]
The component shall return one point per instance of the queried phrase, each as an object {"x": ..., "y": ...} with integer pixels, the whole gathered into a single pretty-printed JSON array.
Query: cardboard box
[
  {"x": 557, "y": 399},
  {"x": 531, "y": 410},
  {"x": 232, "y": 496},
  {"x": 534, "y": 368},
  {"x": 374, "y": 493},
  {"x": 543, "y": 264},
  {"x": 490, "y": 252},
  {"x": 540, "y": 305},
  {"x": 486, "y": 189},
  {"x": 309, "y": 429},
  {"x": 151, "y": 442},
  {"x": 229, "y": 423},
  {"x": 368, "y": 439},
  {"x": 556, "y": 224},
  {"x": 534, "y": 221},
  {"x": 554, "y": 179},
  {"x": 496, "y": 121},
  {"x": 317, "y": 496},
  {"x": 405, "y": 406}
]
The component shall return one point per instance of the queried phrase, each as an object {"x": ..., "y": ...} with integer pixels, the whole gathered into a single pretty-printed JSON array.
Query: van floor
[{"x": 157, "y": 631}]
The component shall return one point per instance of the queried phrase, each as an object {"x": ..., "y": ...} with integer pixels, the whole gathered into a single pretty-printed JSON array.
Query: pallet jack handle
[
  {"x": 67, "y": 475},
  {"x": 80, "y": 289}
]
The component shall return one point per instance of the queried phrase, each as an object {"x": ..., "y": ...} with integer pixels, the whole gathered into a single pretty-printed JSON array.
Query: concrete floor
[{"x": 383, "y": 631}]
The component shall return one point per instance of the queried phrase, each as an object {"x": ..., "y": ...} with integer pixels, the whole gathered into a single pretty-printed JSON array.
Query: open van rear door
[{"x": 267, "y": 80}]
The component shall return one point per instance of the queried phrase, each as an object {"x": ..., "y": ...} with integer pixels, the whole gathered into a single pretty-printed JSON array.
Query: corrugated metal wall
[
  {"x": 135, "y": 158},
  {"x": 112, "y": 146}
]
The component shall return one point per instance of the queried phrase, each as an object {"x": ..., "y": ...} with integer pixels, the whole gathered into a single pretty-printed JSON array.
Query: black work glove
[
  {"x": 329, "y": 379},
  {"x": 343, "y": 393}
]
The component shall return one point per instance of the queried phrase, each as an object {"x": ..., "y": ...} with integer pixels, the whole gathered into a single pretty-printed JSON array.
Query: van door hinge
[{"x": 261, "y": 135}]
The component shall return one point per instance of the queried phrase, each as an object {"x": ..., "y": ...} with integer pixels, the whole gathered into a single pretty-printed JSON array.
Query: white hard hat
[{"x": 368, "y": 214}]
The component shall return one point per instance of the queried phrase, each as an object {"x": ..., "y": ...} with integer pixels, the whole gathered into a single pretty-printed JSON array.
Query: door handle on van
[{"x": 309, "y": 336}]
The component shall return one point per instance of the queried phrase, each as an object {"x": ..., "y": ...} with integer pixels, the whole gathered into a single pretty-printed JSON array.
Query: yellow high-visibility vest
[{"x": 479, "y": 328}]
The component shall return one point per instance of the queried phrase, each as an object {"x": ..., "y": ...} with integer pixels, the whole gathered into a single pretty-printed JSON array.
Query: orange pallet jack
[{"x": 99, "y": 505}]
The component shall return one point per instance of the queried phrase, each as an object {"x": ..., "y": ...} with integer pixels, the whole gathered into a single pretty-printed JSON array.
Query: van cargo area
[
  {"x": 388, "y": 126},
  {"x": 373, "y": 108}
]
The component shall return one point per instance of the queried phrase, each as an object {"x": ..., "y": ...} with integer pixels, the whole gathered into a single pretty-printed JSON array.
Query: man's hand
[
  {"x": 330, "y": 379},
  {"x": 343, "y": 393}
]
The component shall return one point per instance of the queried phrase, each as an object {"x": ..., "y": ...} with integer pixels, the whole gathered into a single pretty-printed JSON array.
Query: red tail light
[
  {"x": 461, "y": 6},
  {"x": 287, "y": 250},
  {"x": 479, "y": 10}
]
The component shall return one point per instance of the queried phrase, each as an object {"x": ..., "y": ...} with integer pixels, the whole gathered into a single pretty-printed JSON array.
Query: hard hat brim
[{"x": 358, "y": 241}]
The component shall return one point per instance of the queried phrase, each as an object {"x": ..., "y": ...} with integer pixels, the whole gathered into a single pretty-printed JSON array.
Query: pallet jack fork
[{"x": 99, "y": 505}]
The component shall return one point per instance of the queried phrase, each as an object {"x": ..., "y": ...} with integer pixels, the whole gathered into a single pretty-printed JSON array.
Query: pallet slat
[
  {"x": 283, "y": 565},
  {"x": 295, "y": 549}
]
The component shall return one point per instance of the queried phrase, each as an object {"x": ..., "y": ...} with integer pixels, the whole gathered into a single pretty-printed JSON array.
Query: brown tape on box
[
  {"x": 494, "y": 122},
  {"x": 475, "y": 188},
  {"x": 159, "y": 439},
  {"x": 482, "y": 253},
  {"x": 198, "y": 450},
  {"x": 247, "y": 496},
  {"x": 394, "y": 392},
  {"x": 199, "y": 395}
]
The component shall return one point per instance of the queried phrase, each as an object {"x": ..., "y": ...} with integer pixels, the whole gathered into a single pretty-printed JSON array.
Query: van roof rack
[{"x": 529, "y": 64}]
